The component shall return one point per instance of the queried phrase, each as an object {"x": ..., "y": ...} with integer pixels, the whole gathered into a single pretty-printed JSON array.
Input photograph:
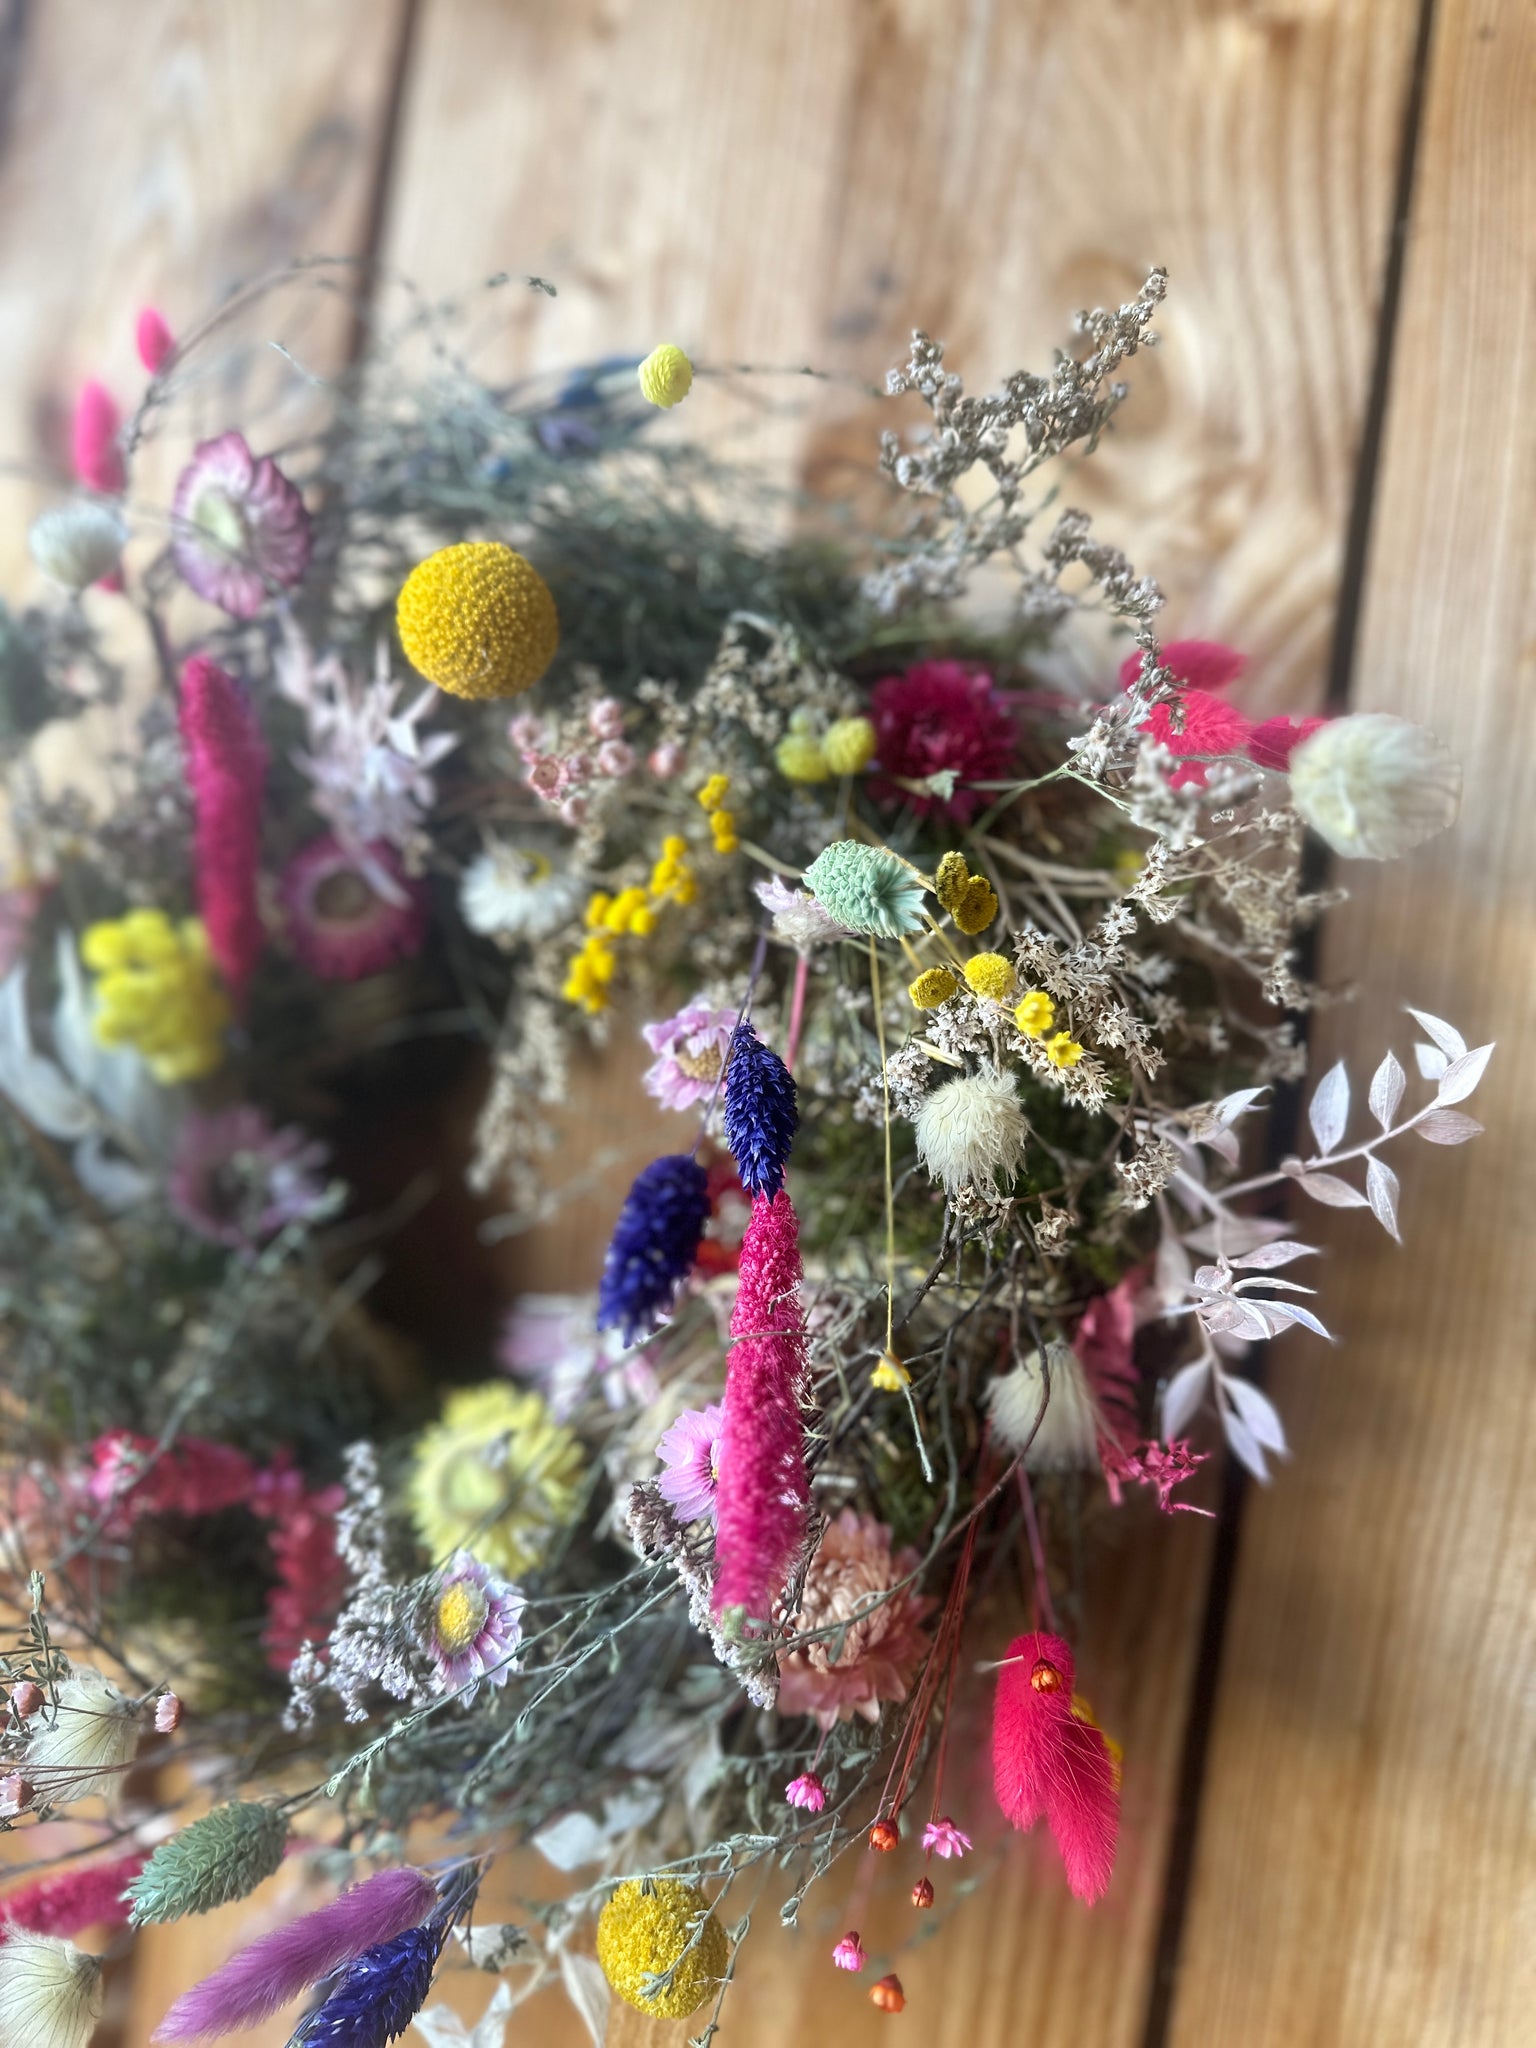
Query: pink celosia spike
[
  {"x": 97, "y": 457},
  {"x": 226, "y": 771},
  {"x": 1048, "y": 1760},
  {"x": 252, "y": 1985},
  {"x": 764, "y": 1497},
  {"x": 154, "y": 340},
  {"x": 70, "y": 1900}
]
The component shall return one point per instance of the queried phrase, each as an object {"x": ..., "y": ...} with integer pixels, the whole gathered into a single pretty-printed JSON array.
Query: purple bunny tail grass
[
  {"x": 252, "y": 1985},
  {"x": 764, "y": 1496},
  {"x": 377, "y": 1995},
  {"x": 760, "y": 1112}
]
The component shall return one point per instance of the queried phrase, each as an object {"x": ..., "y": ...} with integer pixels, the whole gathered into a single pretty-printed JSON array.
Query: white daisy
[{"x": 516, "y": 892}]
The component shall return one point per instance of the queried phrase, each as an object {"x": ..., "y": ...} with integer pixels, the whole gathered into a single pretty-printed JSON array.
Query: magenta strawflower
[
  {"x": 241, "y": 527},
  {"x": 476, "y": 1627},
  {"x": 942, "y": 1838},
  {"x": 940, "y": 716},
  {"x": 807, "y": 1791},
  {"x": 850, "y": 1953},
  {"x": 690, "y": 1049},
  {"x": 690, "y": 1450},
  {"x": 236, "y": 1181},
  {"x": 339, "y": 925}
]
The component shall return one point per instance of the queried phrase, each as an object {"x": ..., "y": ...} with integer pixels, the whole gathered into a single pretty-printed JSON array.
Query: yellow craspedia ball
[
  {"x": 478, "y": 620},
  {"x": 849, "y": 745},
  {"x": 666, "y": 376},
  {"x": 799, "y": 757},
  {"x": 643, "y": 1931},
  {"x": 989, "y": 974}
]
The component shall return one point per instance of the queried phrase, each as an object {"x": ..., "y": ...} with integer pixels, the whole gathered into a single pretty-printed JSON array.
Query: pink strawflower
[
  {"x": 690, "y": 1049},
  {"x": 1050, "y": 1759},
  {"x": 241, "y": 527},
  {"x": 941, "y": 715},
  {"x": 339, "y": 925},
  {"x": 264, "y": 1976},
  {"x": 476, "y": 1627},
  {"x": 942, "y": 1838},
  {"x": 1272, "y": 743},
  {"x": 1161, "y": 1466},
  {"x": 667, "y": 760},
  {"x": 850, "y": 1953},
  {"x": 98, "y": 459},
  {"x": 849, "y": 1588},
  {"x": 1197, "y": 664},
  {"x": 311, "y": 1580},
  {"x": 690, "y": 1450},
  {"x": 606, "y": 719},
  {"x": 226, "y": 772},
  {"x": 68, "y": 1901},
  {"x": 615, "y": 757},
  {"x": 236, "y": 1181},
  {"x": 806, "y": 1791},
  {"x": 154, "y": 340},
  {"x": 763, "y": 1502}
]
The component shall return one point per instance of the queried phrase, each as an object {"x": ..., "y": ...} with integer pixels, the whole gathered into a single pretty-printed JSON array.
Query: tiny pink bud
[
  {"x": 606, "y": 718},
  {"x": 26, "y": 1698},
  {"x": 615, "y": 757},
  {"x": 545, "y": 775},
  {"x": 155, "y": 342},
  {"x": 526, "y": 733},
  {"x": 850, "y": 1953},
  {"x": 98, "y": 459},
  {"x": 15, "y": 1795},
  {"x": 574, "y": 810},
  {"x": 167, "y": 1713},
  {"x": 667, "y": 759}
]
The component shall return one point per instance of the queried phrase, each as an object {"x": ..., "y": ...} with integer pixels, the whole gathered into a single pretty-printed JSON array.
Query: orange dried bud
[
  {"x": 888, "y": 1994},
  {"x": 922, "y": 1893},
  {"x": 884, "y": 1835},
  {"x": 1045, "y": 1677}
]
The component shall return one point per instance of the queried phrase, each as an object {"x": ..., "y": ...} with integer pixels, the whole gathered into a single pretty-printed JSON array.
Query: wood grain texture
[{"x": 1367, "y": 1863}]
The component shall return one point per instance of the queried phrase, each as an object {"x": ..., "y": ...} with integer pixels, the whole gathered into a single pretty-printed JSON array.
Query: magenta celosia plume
[
  {"x": 252, "y": 1985},
  {"x": 226, "y": 771},
  {"x": 98, "y": 459},
  {"x": 74, "y": 1898},
  {"x": 764, "y": 1497},
  {"x": 1048, "y": 1758}
]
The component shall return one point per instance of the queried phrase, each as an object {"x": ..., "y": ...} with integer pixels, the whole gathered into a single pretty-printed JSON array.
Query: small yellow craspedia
[
  {"x": 478, "y": 620},
  {"x": 951, "y": 880},
  {"x": 644, "y": 1930},
  {"x": 977, "y": 907},
  {"x": 849, "y": 745},
  {"x": 989, "y": 974},
  {"x": 933, "y": 986},
  {"x": 800, "y": 757},
  {"x": 666, "y": 378}
]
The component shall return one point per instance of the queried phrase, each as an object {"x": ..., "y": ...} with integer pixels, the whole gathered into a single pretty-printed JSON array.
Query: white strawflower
[
  {"x": 512, "y": 892},
  {"x": 1068, "y": 1436},
  {"x": 50, "y": 1992},
  {"x": 1373, "y": 785},
  {"x": 971, "y": 1129},
  {"x": 78, "y": 543},
  {"x": 87, "y": 1746}
]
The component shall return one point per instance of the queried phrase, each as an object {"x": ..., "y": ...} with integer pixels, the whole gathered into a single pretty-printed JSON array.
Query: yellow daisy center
[{"x": 461, "y": 1612}]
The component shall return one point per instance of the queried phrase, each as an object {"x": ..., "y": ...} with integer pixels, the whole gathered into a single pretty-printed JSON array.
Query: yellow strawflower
[
  {"x": 1063, "y": 1050},
  {"x": 156, "y": 991},
  {"x": 478, "y": 620},
  {"x": 849, "y": 745},
  {"x": 645, "y": 1930},
  {"x": 1035, "y": 1014},
  {"x": 933, "y": 986},
  {"x": 666, "y": 376},
  {"x": 989, "y": 974},
  {"x": 890, "y": 1375},
  {"x": 495, "y": 1475}
]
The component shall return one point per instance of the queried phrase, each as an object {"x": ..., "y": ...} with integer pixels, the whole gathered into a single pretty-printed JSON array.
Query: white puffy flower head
[
  {"x": 77, "y": 544},
  {"x": 971, "y": 1130},
  {"x": 1068, "y": 1436},
  {"x": 1374, "y": 786},
  {"x": 50, "y": 1991},
  {"x": 516, "y": 893}
]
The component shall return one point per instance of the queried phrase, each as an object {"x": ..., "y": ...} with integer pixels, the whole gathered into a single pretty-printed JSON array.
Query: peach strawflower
[{"x": 850, "y": 1583}]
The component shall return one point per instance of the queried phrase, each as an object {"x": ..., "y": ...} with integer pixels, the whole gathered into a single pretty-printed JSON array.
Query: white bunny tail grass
[
  {"x": 1067, "y": 1438},
  {"x": 50, "y": 1992},
  {"x": 972, "y": 1130},
  {"x": 1374, "y": 786}
]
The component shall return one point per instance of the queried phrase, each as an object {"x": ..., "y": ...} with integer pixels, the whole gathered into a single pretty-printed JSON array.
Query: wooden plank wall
[{"x": 804, "y": 181}]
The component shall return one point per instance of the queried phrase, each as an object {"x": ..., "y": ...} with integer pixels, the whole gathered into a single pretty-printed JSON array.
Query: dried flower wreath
[{"x": 970, "y": 954}]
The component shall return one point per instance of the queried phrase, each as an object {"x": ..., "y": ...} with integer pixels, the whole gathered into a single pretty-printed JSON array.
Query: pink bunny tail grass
[
  {"x": 764, "y": 1496},
  {"x": 93, "y": 442},
  {"x": 154, "y": 340},
  {"x": 1047, "y": 1758},
  {"x": 255, "y": 1983},
  {"x": 69, "y": 1901},
  {"x": 226, "y": 771}
]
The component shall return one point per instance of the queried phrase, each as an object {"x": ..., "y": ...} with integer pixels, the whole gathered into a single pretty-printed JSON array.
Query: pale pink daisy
[
  {"x": 475, "y": 1626},
  {"x": 690, "y": 1049},
  {"x": 942, "y": 1838},
  {"x": 690, "y": 1450}
]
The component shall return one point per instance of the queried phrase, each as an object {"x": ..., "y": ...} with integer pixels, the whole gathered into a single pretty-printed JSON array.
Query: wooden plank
[
  {"x": 805, "y": 182},
  {"x": 1367, "y": 1849}
]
